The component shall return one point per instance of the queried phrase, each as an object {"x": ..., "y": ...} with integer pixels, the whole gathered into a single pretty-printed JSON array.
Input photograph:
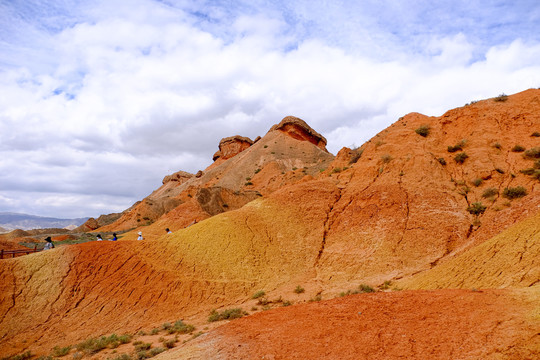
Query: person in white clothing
[{"x": 140, "y": 236}]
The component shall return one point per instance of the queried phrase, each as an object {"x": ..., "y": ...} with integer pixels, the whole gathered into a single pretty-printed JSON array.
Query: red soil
[{"x": 443, "y": 324}]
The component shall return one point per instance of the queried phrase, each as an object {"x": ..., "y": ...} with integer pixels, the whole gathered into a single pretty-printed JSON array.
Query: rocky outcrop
[
  {"x": 232, "y": 146},
  {"x": 179, "y": 176},
  {"x": 300, "y": 130},
  {"x": 93, "y": 224},
  {"x": 216, "y": 200}
]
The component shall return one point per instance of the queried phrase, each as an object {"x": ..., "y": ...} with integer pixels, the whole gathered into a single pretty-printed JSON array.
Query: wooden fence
[{"x": 13, "y": 253}]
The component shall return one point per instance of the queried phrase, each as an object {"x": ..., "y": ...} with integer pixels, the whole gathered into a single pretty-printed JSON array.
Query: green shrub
[
  {"x": 286, "y": 303},
  {"x": 166, "y": 326},
  {"x": 141, "y": 355},
  {"x": 248, "y": 183},
  {"x": 535, "y": 134},
  {"x": 458, "y": 147},
  {"x": 518, "y": 148},
  {"x": 154, "y": 331},
  {"x": 527, "y": 171},
  {"x": 227, "y": 314},
  {"x": 441, "y": 161},
  {"x": 386, "y": 285},
  {"x": 181, "y": 328},
  {"x": 365, "y": 288},
  {"x": 497, "y": 146},
  {"x": 336, "y": 170},
  {"x": 156, "y": 351},
  {"x": 170, "y": 343},
  {"x": 514, "y": 193},
  {"x": 24, "y": 356},
  {"x": 299, "y": 289},
  {"x": 464, "y": 190},
  {"x": 357, "y": 154},
  {"x": 460, "y": 158},
  {"x": 476, "y": 208},
  {"x": 258, "y": 294},
  {"x": 386, "y": 158},
  {"x": 501, "y": 98},
  {"x": 536, "y": 164},
  {"x": 533, "y": 153},
  {"x": 93, "y": 345},
  {"x": 536, "y": 174},
  {"x": 317, "y": 297},
  {"x": 499, "y": 170},
  {"x": 477, "y": 182},
  {"x": 423, "y": 130},
  {"x": 143, "y": 346},
  {"x": 489, "y": 192},
  {"x": 60, "y": 351},
  {"x": 257, "y": 171}
]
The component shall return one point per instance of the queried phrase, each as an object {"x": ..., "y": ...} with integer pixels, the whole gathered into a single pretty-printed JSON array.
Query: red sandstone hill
[{"x": 430, "y": 202}]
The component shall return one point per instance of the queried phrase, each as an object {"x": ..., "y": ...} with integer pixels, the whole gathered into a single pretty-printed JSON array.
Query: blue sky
[{"x": 98, "y": 102}]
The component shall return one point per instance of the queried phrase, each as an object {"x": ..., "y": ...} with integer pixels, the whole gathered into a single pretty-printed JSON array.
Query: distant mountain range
[{"x": 11, "y": 221}]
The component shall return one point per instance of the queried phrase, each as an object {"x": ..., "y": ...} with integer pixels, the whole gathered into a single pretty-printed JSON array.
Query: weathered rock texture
[{"x": 232, "y": 146}]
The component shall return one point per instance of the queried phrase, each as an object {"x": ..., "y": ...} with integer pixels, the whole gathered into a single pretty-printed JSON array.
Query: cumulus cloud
[{"x": 96, "y": 109}]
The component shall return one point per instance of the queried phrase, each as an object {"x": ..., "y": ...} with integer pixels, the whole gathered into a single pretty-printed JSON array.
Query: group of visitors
[
  {"x": 99, "y": 238},
  {"x": 49, "y": 244}
]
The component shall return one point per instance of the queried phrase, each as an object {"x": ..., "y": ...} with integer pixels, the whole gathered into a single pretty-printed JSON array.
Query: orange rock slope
[{"x": 398, "y": 209}]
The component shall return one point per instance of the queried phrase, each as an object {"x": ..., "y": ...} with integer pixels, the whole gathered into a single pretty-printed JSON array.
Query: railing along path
[{"x": 13, "y": 253}]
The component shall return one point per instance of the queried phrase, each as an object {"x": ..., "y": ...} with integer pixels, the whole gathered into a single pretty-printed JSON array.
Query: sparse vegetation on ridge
[
  {"x": 501, "y": 98},
  {"x": 518, "y": 148},
  {"x": 458, "y": 147},
  {"x": 423, "y": 130},
  {"x": 227, "y": 314},
  {"x": 386, "y": 158},
  {"x": 515, "y": 192},
  {"x": 490, "y": 192},
  {"x": 476, "y": 208},
  {"x": 461, "y": 157},
  {"x": 477, "y": 182},
  {"x": 258, "y": 294},
  {"x": 60, "y": 351},
  {"x": 299, "y": 290},
  {"x": 533, "y": 153}
]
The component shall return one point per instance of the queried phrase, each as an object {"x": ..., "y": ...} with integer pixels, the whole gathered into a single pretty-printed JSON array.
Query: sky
[{"x": 99, "y": 100}]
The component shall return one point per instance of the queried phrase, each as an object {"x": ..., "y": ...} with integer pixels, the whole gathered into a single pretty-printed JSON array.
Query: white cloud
[{"x": 130, "y": 93}]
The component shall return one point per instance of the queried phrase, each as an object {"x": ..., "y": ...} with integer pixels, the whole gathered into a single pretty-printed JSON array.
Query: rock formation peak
[
  {"x": 232, "y": 146},
  {"x": 300, "y": 130}
]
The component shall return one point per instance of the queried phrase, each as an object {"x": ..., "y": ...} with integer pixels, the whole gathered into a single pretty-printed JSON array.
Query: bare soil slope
[{"x": 443, "y": 324}]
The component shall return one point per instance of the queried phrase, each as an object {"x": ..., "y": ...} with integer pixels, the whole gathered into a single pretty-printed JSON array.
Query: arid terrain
[{"x": 423, "y": 243}]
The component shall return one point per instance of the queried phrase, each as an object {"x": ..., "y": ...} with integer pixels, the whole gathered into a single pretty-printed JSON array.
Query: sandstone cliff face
[{"x": 399, "y": 208}]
